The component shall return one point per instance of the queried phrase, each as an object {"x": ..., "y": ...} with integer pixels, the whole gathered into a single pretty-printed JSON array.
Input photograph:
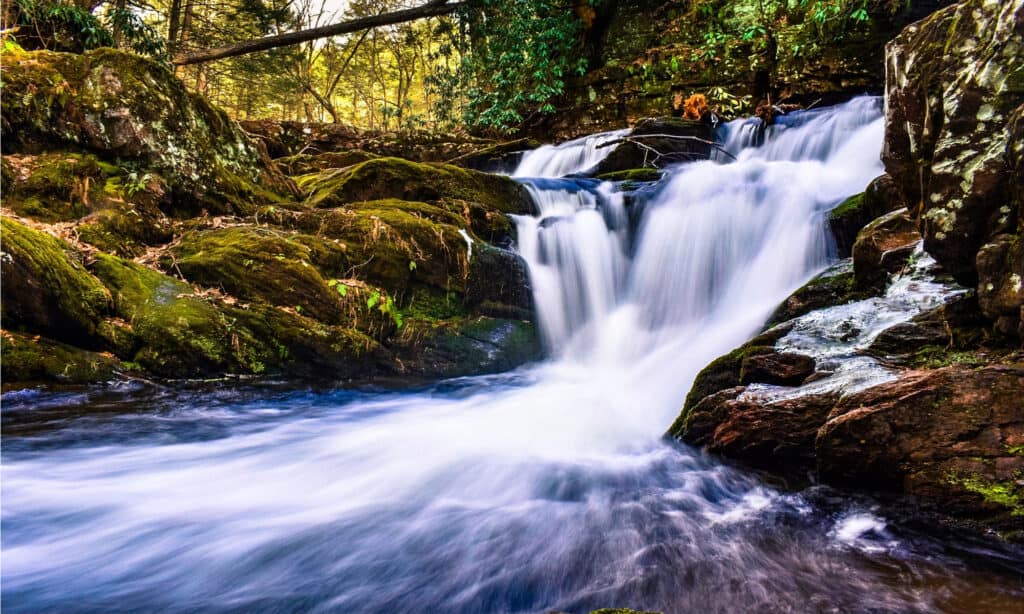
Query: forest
[{"x": 511, "y": 306}]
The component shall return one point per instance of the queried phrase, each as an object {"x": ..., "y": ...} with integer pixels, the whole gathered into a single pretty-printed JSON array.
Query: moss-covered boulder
[
  {"x": 29, "y": 359},
  {"x": 113, "y": 208},
  {"x": 498, "y": 283},
  {"x": 260, "y": 264},
  {"x": 467, "y": 346},
  {"x": 47, "y": 288},
  {"x": 121, "y": 106},
  {"x": 394, "y": 178}
]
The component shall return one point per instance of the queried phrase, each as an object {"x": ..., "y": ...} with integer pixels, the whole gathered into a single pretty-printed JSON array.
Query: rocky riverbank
[{"x": 896, "y": 374}]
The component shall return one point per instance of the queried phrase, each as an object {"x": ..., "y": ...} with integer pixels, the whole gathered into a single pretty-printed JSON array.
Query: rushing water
[{"x": 549, "y": 488}]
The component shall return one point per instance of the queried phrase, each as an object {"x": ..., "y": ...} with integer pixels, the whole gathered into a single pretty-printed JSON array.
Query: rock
[
  {"x": 953, "y": 82},
  {"x": 952, "y": 437},
  {"x": 498, "y": 284},
  {"x": 121, "y": 106},
  {"x": 1000, "y": 266},
  {"x": 779, "y": 368},
  {"x": 470, "y": 346},
  {"x": 498, "y": 158},
  {"x": 114, "y": 209},
  {"x": 883, "y": 247},
  {"x": 956, "y": 325},
  {"x": 47, "y": 288},
  {"x": 673, "y": 140},
  {"x": 263, "y": 265},
  {"x": 633, "y": 174},
  {"x": 834, "y": 286},
  {"x": 303, "y": 164},
  {"x": 30, "y": 359},
  {"x": 853, "y": 214},
  {"x": 385, "y": 178}
]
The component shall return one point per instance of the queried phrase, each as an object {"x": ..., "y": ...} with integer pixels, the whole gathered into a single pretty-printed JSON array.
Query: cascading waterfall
[{"x": 545, "y": 489}]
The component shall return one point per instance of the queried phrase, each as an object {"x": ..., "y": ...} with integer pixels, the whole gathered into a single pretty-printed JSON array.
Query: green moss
[
  {"x": 849, "y": 207},
  {"x": 1006, "y": 494},
  {"x": 395, "y": 178},
  {"x": 46, "y": 287},
  {"x": 260, "y": 265},
  {"x": 936, "y": 357},
  {"x": 305, "y": 164},
  {"x": 30, "y": 359},
  {"x": 633, "y": 174},
  {"x": 431, "y": 304}
]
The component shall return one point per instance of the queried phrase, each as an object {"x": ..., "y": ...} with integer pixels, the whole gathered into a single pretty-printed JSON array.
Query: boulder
[
  {"x": 883, "y": 248},
  {"x": 498, "y": 283},
  {"x": 47, "y": 288},
  {"x": 953, "y": 82},
  {"x": 34, "y": 359},
  {"x": 474, "y": 345},
  {"x": 779, "y": 368},
  {"x": 849, "y": 217},
  {"x": 118, "y": 105},
  {"x": 385, "y": 178},
  {"x": 953, "y": 437},
  {"x": 656, "y": 142}
]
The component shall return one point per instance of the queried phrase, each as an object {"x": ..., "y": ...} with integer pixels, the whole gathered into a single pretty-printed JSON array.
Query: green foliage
[
  {"x": 514, "y": 62},
  {"x": 63, "y": 26}
]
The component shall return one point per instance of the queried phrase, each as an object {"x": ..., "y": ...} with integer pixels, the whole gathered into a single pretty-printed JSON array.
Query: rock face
[
  {"x": 953, "y": 437},
  {"x": 955, "y": 89},
  {"x": 117, "y": 105},
  {"x": 113, "y": 263}
]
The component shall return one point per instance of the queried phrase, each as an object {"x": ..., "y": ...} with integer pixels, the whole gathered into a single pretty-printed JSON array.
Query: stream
[{"x": 549, "y": 488}]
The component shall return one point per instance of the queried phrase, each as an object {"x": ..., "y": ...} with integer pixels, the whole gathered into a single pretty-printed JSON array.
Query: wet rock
[
  {"x": 953, "y": 82},
  {"x": 951, "y": 437},
  {"x": 498, "y": 158},
  {"x": 856, "y": 212},
  {"x": 468, "y": 346},
  {"x": 834, "y": 286},
  {"x": 883, "y": 247},
  {"x": 119, "y": 105},
  {"x": 657, "y": 142},
  {"x": 47, "y": 288},
  {"x": 499, "y": 284},
  {"x": 30, "y": 359},
  {"x": 955, "y": 325},
  {"x": 779, "y": 368},
  {"x": 1000, "y": 265}
]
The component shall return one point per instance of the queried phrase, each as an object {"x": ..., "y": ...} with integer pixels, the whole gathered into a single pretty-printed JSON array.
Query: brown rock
[
  {"x": 781, "y": 368},
  {"x": 883, "y": 247}
]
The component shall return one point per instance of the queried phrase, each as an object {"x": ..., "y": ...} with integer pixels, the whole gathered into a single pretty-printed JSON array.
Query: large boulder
[
  {"x": 849, "y": 217},
  {"x": 47, "y": 288},
  {"x": 883, "y": 247},
  {"x": 122, "y": 106},
  {"x": 955, "y": 88},
  {"x": 953, "y": 437}
]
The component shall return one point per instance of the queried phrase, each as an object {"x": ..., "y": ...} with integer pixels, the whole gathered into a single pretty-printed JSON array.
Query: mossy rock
[
  {"x": 395, "y": 178},
  {"x": 499, "y": 284},
  {"x": 305, "y": 164},
  {"x": 633, "y": 174},
  {"x": 466, "y": 346},
  {"x": 119, "y": 105},
  {"x": 31, "y": 359},
  {"x": 54, "y": 187},
  {"x": 393, "y": 244},
  {"x": 47, "y": 288},
  {"x": 835, "y": 286},
  {"x": 848, "y": 218},
  {"x": 258, "y": 264}
]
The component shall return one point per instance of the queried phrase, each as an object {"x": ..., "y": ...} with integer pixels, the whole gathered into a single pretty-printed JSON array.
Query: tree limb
[{"x": 432, "y": 8}]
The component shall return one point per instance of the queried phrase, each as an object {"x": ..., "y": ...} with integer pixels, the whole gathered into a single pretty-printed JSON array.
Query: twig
[{"x": 634, "y": 138}]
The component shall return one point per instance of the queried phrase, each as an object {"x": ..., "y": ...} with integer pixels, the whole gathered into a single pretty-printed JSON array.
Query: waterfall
[
  {"x": 546, "y": 489},
  {"x": 575, "y": 156},
  {"x": 716, "y": 248}
]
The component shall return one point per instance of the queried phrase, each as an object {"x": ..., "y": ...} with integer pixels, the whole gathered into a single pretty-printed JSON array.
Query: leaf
[
  {"x": 373, "y": 300},
  {"x": 412, "y": 265}
]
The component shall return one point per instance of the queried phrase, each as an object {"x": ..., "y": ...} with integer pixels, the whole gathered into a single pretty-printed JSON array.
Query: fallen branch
[{"x": 634, "y": 139}]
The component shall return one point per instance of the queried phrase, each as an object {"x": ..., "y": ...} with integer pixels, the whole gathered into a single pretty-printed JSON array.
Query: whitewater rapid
[{"x": 549, "y": 488}]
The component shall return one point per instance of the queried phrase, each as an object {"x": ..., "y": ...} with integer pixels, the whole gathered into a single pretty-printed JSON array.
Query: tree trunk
[{"x": 430, "y": 9}]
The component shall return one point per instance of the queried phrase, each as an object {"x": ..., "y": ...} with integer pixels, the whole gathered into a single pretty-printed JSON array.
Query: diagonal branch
[{"x": 432, "y": 8}]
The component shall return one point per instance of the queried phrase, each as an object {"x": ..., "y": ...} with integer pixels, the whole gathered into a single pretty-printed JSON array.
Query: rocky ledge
[
  {"x": 146, "y": 235},
  {"x": 902, "y": 371}
]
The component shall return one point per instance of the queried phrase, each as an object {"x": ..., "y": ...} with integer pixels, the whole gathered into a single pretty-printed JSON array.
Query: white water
[{"x": 545, "y": 489}]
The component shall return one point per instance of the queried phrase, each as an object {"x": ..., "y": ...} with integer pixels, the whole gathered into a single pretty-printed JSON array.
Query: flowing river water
[{"x": 548, "y": 488}]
